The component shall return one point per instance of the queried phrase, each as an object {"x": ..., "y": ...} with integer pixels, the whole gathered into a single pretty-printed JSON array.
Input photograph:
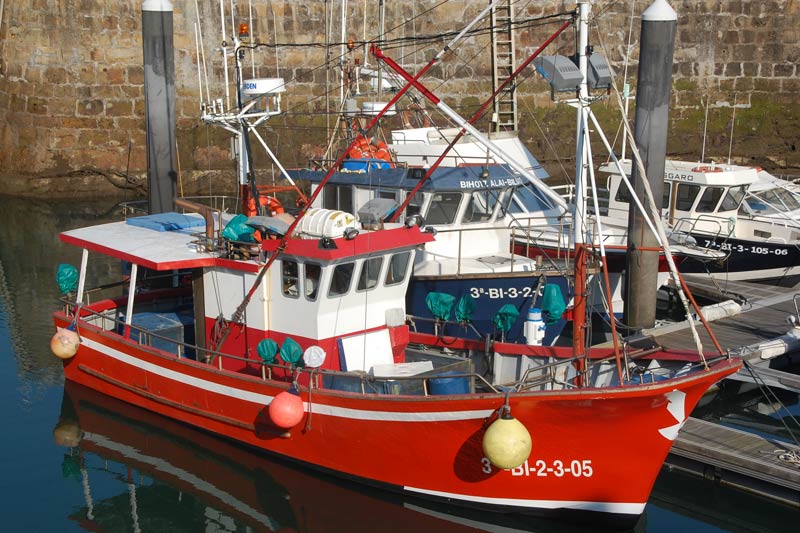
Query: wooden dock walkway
[
  {"x": 759, "y": 334},
  {"x": 738, "y": 459},
  {"x": 751, "y": 333}
]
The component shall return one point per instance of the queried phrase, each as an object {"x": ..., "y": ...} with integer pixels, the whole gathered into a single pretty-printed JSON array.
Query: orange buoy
[
  {"x": 286, "y": 409},
  {"x": 64, "y": 343}
]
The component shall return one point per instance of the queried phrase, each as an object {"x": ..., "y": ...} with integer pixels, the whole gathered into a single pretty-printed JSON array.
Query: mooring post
[
  {"x": 159, "y": 97},
  {"x": 659, "y": 22}
]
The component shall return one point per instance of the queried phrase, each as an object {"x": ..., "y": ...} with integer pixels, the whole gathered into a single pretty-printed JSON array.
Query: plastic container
[
  {"x": 325, "y": 223},
  {"x": 441, "y": 386},
  {"x": 534, "y": 327}
]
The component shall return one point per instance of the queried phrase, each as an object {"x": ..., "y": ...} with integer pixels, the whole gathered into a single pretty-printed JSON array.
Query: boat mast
[{"x": 582, "y": 161}]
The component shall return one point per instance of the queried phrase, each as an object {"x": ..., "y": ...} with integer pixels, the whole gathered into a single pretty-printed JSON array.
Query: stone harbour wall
[{"x": 72, "y": 97}]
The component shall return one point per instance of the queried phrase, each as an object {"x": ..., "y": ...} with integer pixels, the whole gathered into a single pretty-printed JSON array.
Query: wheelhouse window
[
  {"x": 480, "y": 206},
  {"x": 787, "y": 198},
  {"x": 623, "y": 194},
  {"x": 341, "y": 279},
  {"x": 528, "y": 200},
  {"x": 398, "y": 268},
  {"x": 443, "y": 207},
  {"x": 290, "y": 279},
  {"x": 415, "y": 205},
  {"x": 370, "y": 270},
  {"x": 756, "y": 207},
  {"x": 667, "y": 195},
  {"x": 777, "y": 199},
  {"x": 710, "y": 199},
  {"x": 686, "y": 196},
  {"x": 733, "y": 198},
  {"x": 313, "y": 275},
  {"x": 339, "y": 197}
]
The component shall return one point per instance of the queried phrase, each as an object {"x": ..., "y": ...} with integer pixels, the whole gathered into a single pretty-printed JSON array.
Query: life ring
[
  {"x": 272, "y": 205},
  {"x": 706, "y": 169},
  {"x": 366, "y": 149}
]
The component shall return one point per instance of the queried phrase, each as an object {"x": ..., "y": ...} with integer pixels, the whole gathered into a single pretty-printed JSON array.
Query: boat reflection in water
[{"x": 142, "y": 471}]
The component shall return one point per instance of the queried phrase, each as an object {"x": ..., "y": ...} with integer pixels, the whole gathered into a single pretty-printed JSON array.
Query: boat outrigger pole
[
  {"x": 379, "y": 54},
  {"x": 465, "y": 125},
  {"x": 237, "y": 315}
]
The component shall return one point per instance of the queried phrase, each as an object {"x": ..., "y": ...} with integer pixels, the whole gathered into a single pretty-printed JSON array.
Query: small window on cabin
[
  {"x": 667, "y": 195},
  {"x": 290, "y": 279},
  {"x": 415, "y": 205},
  {"x": 338, "y": 197},
  {"x": 340, "y": 279},
  {"x": 443, "y": 208},
  {"x": 623, "y": 194},
  {"x": 313, "y": 275},
  {"x": 686, "y": 196},
  {"x": 710, "y": 200},
  {"x": 370, "y": 270},
  {"x": 398, "y": 267},
  {"x": 480, "y": 206},
  {"x": 733, "y": 198}
]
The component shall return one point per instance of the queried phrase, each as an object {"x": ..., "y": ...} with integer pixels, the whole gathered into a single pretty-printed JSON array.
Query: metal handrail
[{"x": 210, "y": 357}]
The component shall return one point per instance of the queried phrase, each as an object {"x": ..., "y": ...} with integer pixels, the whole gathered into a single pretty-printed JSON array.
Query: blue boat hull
[{"x": 489, "y": 295}]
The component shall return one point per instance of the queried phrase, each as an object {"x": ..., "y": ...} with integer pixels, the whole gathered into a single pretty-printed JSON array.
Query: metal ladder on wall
[{"x": 504, "y": 117}]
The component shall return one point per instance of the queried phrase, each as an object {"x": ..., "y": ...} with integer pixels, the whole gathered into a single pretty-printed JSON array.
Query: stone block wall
[{"x": 72, "y": 99}]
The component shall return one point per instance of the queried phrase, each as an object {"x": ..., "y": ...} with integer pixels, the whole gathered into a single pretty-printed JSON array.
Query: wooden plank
[{"x": 740, "y": 452}]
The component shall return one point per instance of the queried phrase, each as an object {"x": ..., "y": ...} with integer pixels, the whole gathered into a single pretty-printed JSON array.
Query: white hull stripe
[
  {"x": 263, "y": 399},
  {"x": 603, "y": 507},
  {"x": 168, "y": 468}
]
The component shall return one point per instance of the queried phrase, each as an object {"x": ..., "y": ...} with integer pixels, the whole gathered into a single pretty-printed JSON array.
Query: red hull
[
  {"x": 582, "y": 457},
  {"x": 261, "y": 494}
]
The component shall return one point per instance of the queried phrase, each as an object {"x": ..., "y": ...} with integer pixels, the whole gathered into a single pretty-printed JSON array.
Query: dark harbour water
[{"x": 134, "y": 471}]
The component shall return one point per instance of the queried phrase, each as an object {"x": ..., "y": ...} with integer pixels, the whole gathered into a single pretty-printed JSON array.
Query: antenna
[
  {"x": 705, "y": 128},
  {"x": 626, "y": 88},
  {"x": 733, "y": 123}
]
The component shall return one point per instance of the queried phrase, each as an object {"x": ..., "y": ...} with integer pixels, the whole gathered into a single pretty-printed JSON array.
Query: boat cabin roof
[
  {"x": 173, "y": 246},
  {"x": 709, "y": 174},
  {"x": 172, "y": 241}
]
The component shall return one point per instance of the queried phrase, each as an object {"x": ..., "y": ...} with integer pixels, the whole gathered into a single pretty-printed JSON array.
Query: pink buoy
[
  {"x": 286, "y": 410},
  {"x": 64, "y": 343}
]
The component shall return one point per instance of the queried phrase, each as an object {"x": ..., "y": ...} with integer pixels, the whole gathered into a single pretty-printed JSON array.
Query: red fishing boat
[{"x": 290, "y": 334}]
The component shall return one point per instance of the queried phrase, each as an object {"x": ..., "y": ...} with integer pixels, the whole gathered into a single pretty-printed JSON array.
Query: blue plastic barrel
[{"x": 441, "y": 386}]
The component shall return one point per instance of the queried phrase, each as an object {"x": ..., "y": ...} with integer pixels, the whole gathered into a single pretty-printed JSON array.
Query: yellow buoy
[
  {"x": 507, "y": 443},
  {"x": 64, "y": 343}
]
